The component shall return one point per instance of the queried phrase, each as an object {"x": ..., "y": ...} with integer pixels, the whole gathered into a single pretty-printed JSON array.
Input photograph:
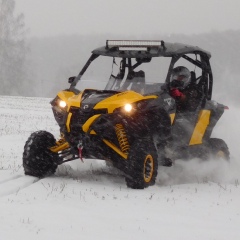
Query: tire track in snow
[
  {"x": 9, "y": 178},
  {"x": 16, "y": 183}
]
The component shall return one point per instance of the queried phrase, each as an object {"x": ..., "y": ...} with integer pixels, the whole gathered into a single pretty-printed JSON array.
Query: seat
[
  {"x": 139, "y": 82},
  {"x": 135, "y": 81}
]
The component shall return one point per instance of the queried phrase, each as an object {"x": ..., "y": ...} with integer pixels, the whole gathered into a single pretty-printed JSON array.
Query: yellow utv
[{"x": 132, "y": 121}]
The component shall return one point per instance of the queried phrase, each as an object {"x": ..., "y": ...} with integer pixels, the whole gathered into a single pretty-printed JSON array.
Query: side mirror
[{"x": 71, "y": 79}]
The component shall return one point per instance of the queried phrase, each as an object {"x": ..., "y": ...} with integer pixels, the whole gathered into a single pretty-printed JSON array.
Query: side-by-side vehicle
[{"x": 133, "y": 122}]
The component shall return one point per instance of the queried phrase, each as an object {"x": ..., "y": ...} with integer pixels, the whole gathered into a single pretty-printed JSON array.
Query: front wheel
[
  {"x": 218, "y": 149},
  {"x": 38, "y": 160},
  {"x": 142, "y": 165}
]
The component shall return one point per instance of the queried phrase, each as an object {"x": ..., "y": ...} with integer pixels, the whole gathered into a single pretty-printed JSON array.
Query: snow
[{"x": 191, "y": 200}]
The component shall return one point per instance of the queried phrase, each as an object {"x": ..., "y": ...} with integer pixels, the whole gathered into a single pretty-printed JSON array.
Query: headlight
[
  {"x": 128, "y": 107},
  {"x": 62, "y": 104}
]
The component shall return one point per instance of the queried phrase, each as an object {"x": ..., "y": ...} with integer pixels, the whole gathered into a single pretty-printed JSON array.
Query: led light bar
[{"x": 133, "y": 44}]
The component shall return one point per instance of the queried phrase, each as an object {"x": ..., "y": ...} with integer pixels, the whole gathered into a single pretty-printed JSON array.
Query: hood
[
  {"x": 91, "y": 97},
  {"x": 120, "y": 99},
  {"x": 101, "y": 99}
]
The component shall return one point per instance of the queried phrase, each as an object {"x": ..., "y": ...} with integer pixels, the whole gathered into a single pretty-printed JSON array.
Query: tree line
[{"x": 41, "y": 66}]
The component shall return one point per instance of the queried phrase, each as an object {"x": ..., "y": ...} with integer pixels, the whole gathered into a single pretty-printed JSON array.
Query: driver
[{"x": 185, "y": 93}]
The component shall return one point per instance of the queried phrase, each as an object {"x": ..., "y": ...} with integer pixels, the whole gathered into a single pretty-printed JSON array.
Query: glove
[{"x": 176, "y": 93}]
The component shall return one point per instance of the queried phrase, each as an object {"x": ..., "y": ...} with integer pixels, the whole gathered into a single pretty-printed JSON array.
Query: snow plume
[
  {"x": 199, "y": 171},
  {"x": 212, "y": 170},
  {"x": 195, "y": 170}
]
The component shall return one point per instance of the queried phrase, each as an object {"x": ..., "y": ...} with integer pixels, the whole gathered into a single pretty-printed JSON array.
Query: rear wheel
[
  {"x": 38, "y": 160},
  {"x": 219, "y": 149},
  {"x": 142, "y": 165}
]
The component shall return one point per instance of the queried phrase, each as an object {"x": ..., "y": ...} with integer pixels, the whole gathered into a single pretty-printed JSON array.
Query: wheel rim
[{"x": 148, "y": 168}]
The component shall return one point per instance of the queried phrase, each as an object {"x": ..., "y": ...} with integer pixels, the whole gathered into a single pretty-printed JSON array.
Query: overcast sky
[{"x": 135, "y": 17}]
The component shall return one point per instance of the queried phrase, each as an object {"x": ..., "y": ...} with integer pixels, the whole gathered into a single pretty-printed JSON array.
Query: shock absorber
[{"x": 122, "y": 138}]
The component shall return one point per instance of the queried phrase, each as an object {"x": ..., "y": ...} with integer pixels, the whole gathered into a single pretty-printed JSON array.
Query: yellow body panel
[
  {"x": 172, "y": 116},
  {"x": 89, "y": 122},
  {"x": 111, "y": 103},
  {"x": 65, "y": 95},
  {"x": 121, "y": 99},
  {"x": 70, "y": 98},
  {"x": 68, "y": 121},
  {"x": 93, "y": 132},
  {"x": 200, "y": 128}
]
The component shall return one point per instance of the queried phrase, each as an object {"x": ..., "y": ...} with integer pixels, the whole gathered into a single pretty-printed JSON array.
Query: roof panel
[{"x": 169, "y": 50}]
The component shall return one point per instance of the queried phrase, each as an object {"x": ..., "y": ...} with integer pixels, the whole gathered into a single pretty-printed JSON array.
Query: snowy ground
[{"x": 192, "y": 200}]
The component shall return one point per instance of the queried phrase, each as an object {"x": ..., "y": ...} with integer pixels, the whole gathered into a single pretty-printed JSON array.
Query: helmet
[{"x": 180, "y": 77}]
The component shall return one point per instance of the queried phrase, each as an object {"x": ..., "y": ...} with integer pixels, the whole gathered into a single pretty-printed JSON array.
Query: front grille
[{"x": 79, "y": 116}]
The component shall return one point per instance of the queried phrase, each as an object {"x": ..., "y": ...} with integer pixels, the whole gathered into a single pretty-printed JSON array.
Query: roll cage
[{"x": 142, "y": 51}]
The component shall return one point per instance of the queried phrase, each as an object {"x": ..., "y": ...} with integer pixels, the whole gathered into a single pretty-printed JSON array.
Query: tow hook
[{"x": 80, "y": 148}]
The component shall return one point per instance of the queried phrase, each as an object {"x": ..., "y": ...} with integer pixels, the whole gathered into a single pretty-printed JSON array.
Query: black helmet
[{"x": 180, "y": 77}]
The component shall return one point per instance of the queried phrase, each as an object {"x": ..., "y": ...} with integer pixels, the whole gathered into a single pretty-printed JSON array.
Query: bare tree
[{"x": 12, "y": 49}]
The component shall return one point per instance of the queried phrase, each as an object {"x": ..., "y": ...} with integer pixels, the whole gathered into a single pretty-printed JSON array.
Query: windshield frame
[{"x": 203, "y": 63}]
